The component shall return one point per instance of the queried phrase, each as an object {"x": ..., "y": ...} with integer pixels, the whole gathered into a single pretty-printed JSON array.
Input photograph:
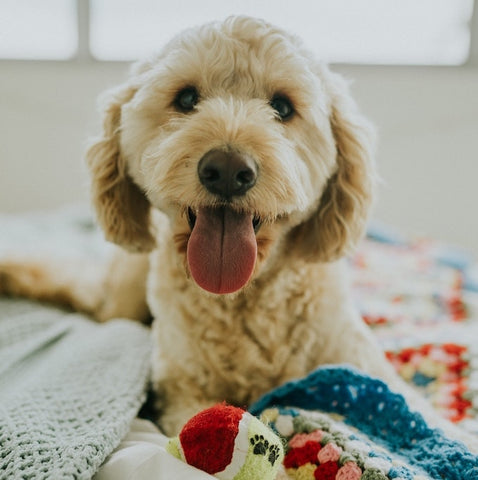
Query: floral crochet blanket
[
  {"x": 334, "y": 425},
  {"x": 421, "y": 299}
]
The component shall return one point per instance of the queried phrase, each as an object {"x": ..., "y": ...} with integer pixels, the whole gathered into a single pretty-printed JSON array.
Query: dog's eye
[
  {"x": 187, "y": 99},
  {"x": 282, "y": 106}
]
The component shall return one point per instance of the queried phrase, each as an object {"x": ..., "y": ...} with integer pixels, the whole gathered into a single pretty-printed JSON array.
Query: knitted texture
[
  {"x": 382, "y": 417},
  {"x": 69, "y": 389}
]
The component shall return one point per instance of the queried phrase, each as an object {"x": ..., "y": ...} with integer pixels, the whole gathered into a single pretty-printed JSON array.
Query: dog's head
[{"x": 248, "y": 145}]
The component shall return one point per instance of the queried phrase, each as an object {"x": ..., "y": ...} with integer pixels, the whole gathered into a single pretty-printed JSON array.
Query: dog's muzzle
[{"x": 222, "y": 246}]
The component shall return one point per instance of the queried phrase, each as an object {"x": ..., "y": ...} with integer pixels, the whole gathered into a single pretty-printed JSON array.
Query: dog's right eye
[
  {"x": 187, "y": 99},
  {"x": 283, "y": 107}
]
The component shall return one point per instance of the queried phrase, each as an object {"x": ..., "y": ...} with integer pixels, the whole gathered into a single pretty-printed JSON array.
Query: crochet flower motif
[
  {"x": 321, "y": 448},
  {"x": 439, "y": 370},
  {"x": 307, "y": 458}
]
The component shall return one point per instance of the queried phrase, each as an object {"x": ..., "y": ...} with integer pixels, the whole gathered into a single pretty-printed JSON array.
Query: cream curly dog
[{"x": 242, "y": 165}]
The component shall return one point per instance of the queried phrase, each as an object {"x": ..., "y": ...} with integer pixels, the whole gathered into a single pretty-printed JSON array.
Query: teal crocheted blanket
[
  {"x": 338, "y": 423},
  {"x": 69, "y": 389}
]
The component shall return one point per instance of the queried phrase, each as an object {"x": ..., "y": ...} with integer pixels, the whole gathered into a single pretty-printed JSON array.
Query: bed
[{"x": 71, "y": 390}]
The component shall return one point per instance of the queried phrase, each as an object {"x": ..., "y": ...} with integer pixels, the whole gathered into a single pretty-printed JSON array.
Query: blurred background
[{"x": 413, "y": 66}]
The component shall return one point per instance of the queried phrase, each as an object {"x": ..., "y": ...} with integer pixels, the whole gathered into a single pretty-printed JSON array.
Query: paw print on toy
[
  {"x": 260, "y": 444},
  {"x": 262, "y": 447},
  {"x": 274, "y": 454}
]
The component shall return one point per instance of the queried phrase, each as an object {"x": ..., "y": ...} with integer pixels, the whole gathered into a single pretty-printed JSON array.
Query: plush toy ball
[{"x": 230, "y": 444}]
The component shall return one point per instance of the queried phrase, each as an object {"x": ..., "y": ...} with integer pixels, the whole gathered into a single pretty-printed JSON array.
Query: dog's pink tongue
[{"x": 222, "y": 250}]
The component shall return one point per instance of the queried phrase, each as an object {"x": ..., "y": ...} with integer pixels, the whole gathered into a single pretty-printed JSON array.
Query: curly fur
[{"x": 313, "y": 194}]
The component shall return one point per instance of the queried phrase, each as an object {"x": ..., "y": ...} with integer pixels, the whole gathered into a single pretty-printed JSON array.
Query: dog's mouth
[
  {"x": 191, "y": 216},
  {"x": 222, "y": 248}
]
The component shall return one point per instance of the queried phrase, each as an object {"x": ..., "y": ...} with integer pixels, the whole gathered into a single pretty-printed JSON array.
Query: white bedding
[{"x": 142, "y": 456}]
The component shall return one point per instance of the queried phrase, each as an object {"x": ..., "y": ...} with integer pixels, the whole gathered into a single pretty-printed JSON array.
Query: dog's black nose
[{"x": 227, "y": 173}]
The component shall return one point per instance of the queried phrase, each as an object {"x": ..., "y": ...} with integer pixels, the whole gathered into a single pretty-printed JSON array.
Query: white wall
[
  {"x": 427, "y": 120},
  {"x": 47, "y": 112}
]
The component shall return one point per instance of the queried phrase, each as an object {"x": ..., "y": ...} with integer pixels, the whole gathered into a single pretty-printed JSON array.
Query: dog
[{"x": 236, "y": 173}]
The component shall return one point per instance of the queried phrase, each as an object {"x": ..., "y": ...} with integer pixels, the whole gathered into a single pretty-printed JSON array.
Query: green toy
[{"x": 230, "y": 444}]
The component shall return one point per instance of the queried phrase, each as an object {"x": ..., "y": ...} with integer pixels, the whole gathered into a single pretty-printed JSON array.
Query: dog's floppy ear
[
  {"x": 340, "y": 220},
  {"x": 122, "y": 209}
]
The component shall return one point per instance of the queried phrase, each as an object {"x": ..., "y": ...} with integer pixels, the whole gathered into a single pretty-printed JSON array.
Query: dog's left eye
[
  {"x": 187, "y": 99},
  {"x": 282, "y": 106}
]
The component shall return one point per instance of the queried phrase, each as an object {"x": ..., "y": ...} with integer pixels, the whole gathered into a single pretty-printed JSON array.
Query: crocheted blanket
[
  {"x": 421, "y": 299},
  {"x": 336, "y": 424},
  {"x": 69, "y": 388}
]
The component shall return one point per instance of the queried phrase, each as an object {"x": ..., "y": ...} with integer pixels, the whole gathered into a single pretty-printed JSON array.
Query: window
[
  {"x": 45, "y": 29},
  {"x": 340, "y": 31},
  {"x": 412, "y": 32}
]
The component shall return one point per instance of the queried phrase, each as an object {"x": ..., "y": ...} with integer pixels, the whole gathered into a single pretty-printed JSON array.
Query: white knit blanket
[{"x": 69, "y": 389}]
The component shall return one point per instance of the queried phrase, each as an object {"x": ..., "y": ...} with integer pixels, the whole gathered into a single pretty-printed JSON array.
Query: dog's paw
[{"x": 11, "y": 279}]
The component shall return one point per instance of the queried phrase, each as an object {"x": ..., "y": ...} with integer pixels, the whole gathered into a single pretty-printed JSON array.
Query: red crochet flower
[
  {"x": 326, "y": 471},
  {"x": 300, "y": 456}
]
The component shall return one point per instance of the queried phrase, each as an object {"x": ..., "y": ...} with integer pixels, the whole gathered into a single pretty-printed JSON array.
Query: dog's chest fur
[{"x": 235, "y": 348}]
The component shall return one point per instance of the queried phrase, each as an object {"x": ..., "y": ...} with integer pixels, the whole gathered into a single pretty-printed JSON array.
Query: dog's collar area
[{"x": 191, "y": 217}]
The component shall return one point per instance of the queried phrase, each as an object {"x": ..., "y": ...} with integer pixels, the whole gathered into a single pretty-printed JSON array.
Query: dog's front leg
[{"x": 177, "y": 400}]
